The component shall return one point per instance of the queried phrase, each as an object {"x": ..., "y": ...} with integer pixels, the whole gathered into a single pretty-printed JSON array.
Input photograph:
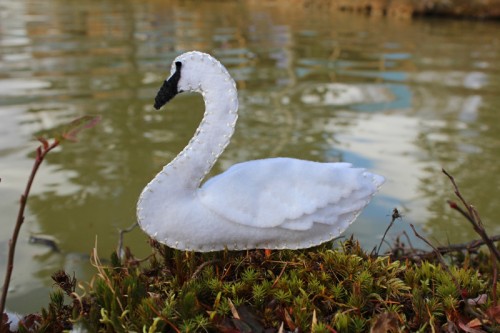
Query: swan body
[{"x": 274, "y": 203}]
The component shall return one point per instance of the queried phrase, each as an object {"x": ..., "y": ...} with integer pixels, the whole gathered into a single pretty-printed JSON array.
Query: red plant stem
[
  {"x": 41, "y": 152},
  {"x": 494, "y": 281}
]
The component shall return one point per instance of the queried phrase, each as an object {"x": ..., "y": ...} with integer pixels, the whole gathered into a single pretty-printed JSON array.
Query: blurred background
[{"x": 403, "y": 98}]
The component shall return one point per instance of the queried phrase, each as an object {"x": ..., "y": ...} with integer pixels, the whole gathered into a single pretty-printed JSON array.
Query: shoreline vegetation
[
  {"x": 334, "y": 287},
  {"x": 470, "y": 9}
]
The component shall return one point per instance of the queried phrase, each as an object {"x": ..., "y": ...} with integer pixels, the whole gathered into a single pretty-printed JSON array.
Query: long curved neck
[{"x": 212, "y": 136}]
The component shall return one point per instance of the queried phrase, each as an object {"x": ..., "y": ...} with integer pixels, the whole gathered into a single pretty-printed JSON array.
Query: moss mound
[{"x": 330, "y": 288}]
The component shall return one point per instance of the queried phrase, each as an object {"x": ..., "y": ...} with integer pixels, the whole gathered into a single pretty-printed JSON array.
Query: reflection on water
[{"x": 401, "y": 98}]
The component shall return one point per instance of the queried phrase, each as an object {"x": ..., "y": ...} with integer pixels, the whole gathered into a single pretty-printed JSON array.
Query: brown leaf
[
  {"x": 233, "y": 309},
  {"x": 250, "y": 319},
  {"x": 247, "y": 324},
  {"x": 468, "y": 329},
  {"x": 494, "y": 313},
  {"x": 227, "y": 326},
  {"x": 386, "y": 322},
  {"x": 474, "y": 323},
  {"x": 289, "y": 321},
  {"x": 241, "y": 326}
]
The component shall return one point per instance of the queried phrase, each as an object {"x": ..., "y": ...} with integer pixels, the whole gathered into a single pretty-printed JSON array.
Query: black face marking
[{"x": 169, "y": 88}]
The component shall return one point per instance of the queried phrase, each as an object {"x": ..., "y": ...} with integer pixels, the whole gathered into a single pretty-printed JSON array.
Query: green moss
[{"x": 318, "y": 289}]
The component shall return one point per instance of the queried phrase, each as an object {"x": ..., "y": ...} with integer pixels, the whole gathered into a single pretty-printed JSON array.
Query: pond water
[{"x": 401, "y": 98}]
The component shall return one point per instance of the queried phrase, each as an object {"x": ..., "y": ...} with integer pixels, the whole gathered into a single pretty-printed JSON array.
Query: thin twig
[
  {"x": 466, "y": 246},
  {"x": 41, "y": 152},
  {"x": 409, "y": 241},
  {"x": 279, "y": 275},
  {"x": 457, "y": 191},
  {"x": 422, "y": 254},
  {"x": 203, "y": 265},
  {"x": 383, "y": 237},
  {"x": 395, "y": 215},
  {"x": 438, "y": 255},
  {"x": 472, "y": 216},
  {"x": 121, "y": 232},
  {"x": 158, "y": 313}
]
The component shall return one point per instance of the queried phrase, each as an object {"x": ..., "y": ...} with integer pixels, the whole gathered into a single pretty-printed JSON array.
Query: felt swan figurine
[{"x": 276, "y": 203}]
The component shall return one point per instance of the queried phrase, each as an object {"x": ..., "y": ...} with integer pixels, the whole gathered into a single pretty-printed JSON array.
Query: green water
[{"x": 402, "y": 98}]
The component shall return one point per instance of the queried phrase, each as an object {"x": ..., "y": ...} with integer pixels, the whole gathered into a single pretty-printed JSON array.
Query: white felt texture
[
  {"x": 288, "y": 193},
  {"x": 271, "y": 203}
]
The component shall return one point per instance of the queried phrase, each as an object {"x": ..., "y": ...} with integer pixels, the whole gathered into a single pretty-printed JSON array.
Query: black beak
[{"x": 169, "y": 88}]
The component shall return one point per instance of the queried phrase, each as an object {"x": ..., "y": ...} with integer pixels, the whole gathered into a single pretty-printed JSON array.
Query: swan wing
[{"x": 289, "y": 193}]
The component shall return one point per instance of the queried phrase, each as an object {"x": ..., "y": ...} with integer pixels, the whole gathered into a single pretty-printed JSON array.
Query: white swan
[{"x": 272, "y": 203}]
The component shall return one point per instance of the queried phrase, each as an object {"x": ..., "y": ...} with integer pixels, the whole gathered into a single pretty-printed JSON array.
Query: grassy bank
[{"x": 336, "y": 287}]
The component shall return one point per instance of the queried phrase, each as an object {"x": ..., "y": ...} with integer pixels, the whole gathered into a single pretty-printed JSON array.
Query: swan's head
[
  {"x": 194, "y": 71},
  {"x": 170, "y": 87}
]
